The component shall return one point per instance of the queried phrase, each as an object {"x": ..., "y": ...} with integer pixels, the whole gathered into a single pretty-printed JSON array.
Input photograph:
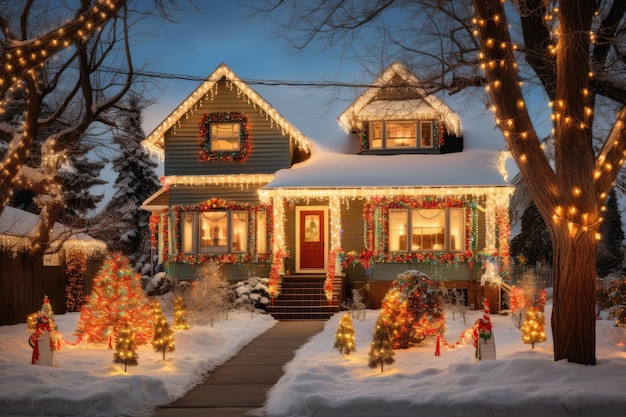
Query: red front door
[{"x": 312, "y": 239}]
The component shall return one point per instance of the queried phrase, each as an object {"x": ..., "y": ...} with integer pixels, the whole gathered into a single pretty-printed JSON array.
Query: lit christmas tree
[
  {"x": 163, "y": 336},
  {"x": 533, "y": 328},
  {"x": 344, "y": 338},
  {"x": 381, "y": 351},
  {"x": 74, "y": 287},
  {"x": 125, "y": 346},
  {"x": 116, "y": 298},
  {"x": 180, "y": 315}
]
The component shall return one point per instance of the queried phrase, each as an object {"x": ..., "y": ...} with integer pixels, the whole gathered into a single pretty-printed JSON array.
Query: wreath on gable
[{"x": 205, "y": 137}]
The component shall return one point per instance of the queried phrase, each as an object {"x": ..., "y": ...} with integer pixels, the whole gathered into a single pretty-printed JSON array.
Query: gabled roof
[
  {"x": 421, "y": 104},
  {"x": 154, "y": 143}
]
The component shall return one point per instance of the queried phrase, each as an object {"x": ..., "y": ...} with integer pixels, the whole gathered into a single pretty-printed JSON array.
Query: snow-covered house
[{"x": 243, "y": 186}]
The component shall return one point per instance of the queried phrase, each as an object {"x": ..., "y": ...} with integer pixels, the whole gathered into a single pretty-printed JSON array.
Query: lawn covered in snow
[
  {"x": 522, "y": 382},
  {"x": 86, "y": 382},
  {"x": 320, "y": 381}
]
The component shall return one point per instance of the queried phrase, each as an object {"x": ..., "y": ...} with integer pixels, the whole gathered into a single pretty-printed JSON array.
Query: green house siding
[
  {"x": 270, "y": 150},
  {"x": 352, "y": 238},
  {"x": 188, "y": 195}
]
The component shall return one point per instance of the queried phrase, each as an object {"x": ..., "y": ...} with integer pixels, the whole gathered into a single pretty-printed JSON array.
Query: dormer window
[{"x": 400, "y": 135}]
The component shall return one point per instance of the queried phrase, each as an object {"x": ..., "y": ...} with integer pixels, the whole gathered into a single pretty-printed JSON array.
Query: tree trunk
[{"x": 573, "y": 311}]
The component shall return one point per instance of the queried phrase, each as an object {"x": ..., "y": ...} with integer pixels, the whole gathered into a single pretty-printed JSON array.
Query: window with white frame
[
  {"x": 217, "y": 231},
  {"x": 427, "y": 229},
  {"x": 404, "y": 134},
  {"x": 225, "y": 137}
]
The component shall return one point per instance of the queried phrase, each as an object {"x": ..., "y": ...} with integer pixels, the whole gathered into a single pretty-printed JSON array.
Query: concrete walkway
[{"x": 240, "y": 385}]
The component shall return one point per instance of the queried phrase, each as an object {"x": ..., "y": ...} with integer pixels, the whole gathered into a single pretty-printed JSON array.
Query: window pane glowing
[
  {"x": 428, "y": 229},
  {"x": 224, "y": 136},
  {"x": 398, "y": 220},
  {"x": 214, "y": 231},
  {"x": 239, "y": 231},
  {"x": 401, "y": 134},
  {"x": 426, "y": 134},
  {"x": 457, "y": 229},
  {"x": 261, "y": 231},
  {"x": 187, "y": 238},
  {"x": 376, "y": 135}
]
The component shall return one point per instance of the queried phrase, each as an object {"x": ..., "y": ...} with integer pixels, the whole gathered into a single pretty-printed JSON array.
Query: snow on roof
[
  {"x": 326, "y": 169},
  {"x": 154, "y": 142},
  {"x": 17, "y": 226}
]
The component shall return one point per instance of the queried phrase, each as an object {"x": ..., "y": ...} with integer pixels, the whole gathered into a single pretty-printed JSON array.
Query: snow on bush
[{"x": 251, "y": 294}]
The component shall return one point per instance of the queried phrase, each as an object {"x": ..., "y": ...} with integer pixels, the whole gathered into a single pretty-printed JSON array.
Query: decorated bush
[
  {"x": 615, "y": 299},
  {"x": 413, "y": 309}
]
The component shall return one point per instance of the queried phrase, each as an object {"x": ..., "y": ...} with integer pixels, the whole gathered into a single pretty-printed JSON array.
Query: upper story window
[
  {"x": 414, "y": 134},
  {"x": 225, "y": 137}
]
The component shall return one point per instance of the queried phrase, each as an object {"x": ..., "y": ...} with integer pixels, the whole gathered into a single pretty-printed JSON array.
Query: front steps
[{"x": 302, "y": 298}]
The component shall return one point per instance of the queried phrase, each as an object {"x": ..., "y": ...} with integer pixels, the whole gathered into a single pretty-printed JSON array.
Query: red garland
[
  {"x": 330, "y": 275},
  {"x": 273, "y": 286}
]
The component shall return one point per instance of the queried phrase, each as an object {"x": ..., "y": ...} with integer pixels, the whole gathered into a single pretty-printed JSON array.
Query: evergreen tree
[
  {"x": 126, "y": 223},
  {"x": 125, "y": 346},
  {"x": 381, "y": 351},
  {"x": 75, "y": 276},
  {"x": 116, "y": 298},
  {"x": 344, "y": 338},
  {"x": 533, "y": 327},
  {"x": 180, "y": 314},
  {"x": 163, "y": 336},
  {"x": 78, "y": 178},
  {"x": 610, "y": 250},
  {"x": 533, "y": 243}
]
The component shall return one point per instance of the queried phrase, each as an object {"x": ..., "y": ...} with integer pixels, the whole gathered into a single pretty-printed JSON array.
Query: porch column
[
  {"x": 490, "y": 223},
  {"x": 278, "y": 211},
  {"x": 334, "y": 207}
]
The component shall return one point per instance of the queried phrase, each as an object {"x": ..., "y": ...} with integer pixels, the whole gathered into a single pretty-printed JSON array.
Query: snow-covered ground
[
  {"x": 320, "y": 381},
  {"x": 86, "y": 382}
]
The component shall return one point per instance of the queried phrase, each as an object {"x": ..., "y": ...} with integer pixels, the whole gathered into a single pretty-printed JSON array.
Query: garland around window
[{"x": 205, "y": 137}]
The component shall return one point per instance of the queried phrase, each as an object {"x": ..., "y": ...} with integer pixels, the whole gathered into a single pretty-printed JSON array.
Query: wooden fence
[
  {"x": 545, "y": 275},
  {"x": 25, "y": 280}
]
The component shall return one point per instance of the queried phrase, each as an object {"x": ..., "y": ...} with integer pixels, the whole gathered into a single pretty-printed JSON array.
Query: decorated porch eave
[
  {"x": 493, "y": 200},
  {"x": 340, "y": 177},
  {"x": 154, "y": 143}
]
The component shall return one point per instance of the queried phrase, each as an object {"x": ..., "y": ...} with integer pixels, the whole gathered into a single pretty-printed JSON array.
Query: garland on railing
[
  {"x": 205, "y": 137},
  {"x": 274, "y": 282},
  {"x": 330, "y": 275}
]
